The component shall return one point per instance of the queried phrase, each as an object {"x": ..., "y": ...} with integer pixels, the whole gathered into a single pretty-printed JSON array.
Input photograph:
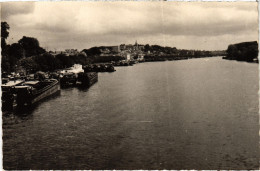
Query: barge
[
  {"x": 99, "y": 68},
  {"x": 68, "y": 79},
  {"x": 31, "y": 92},
  {"x": 87, "y": 79},
  {"x": 81, "y": 76},
  {"x": 9, "y": 95}
]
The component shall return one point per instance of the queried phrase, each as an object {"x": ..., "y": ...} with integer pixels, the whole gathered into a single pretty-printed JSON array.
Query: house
[
  {"x": 128, "y": 56},
  {"x": 129, "y": 47},
  {"x": 122, "y": 47},
  {"x": 140, "y": 57}
]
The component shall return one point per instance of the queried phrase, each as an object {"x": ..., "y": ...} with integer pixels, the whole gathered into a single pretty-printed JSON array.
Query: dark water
[{"x": 192, "y": 114}]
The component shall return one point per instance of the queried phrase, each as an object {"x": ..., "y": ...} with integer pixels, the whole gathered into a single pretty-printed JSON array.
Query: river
[{"x": 190, "y": 114}]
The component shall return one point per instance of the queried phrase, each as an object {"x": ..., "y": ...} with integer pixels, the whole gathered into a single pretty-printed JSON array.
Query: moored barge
[
  {"x": 99, "y": 68},
  {"x": 68, "y": 79},
  {"x": 87, "y": 79},
  {"x": 9, "y": 95},
  {"x": 32, "y": 92}
]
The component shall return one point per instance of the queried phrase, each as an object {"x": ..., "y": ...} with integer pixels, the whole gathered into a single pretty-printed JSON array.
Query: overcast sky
[{"x": 185, "y": 25}]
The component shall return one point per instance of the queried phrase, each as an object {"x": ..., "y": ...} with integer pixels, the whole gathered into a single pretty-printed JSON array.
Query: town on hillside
[{"x": 28, "y": 57}]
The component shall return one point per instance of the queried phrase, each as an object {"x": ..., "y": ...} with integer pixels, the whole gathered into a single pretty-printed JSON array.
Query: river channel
[{"x": 189, "y": 114}]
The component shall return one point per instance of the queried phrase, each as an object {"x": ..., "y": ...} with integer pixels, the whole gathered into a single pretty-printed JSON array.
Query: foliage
[
  {"x": 29, "y": 64},
  {"x": 104, "y": 59},
  {"x": 31, "y": 46},
  {"x": 4, "y": 34},
  {"x": 246, "y": 51},
  {"x": 12, "y": 54},
  {"x": 16, "y": 50},
  {"x": 47, "y": 62},
  {"x": 156, "y": 49},
  {"x": 4, "y": 30},
  {"x": 92, "y": 51}
]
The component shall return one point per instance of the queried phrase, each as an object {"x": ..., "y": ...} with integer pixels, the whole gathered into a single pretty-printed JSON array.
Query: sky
[{"x": 81, "y": 25}]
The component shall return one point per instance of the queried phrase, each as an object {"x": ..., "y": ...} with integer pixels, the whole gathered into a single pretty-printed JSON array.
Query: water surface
[{"x": 191, "y": 114}]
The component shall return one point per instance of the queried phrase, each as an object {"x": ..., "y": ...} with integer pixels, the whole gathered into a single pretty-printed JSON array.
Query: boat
[
  {"x": 255, "y": 60},
  {"x": 123, "y": 63},
  {"x": 132, "y": 62},
  {"x": 68, "y": 79},
  {"x": 7, "y": 100},
  {"x": 11, "y": 83},
  {"x": 9, "y": 95},
  {"x": 76, "y": 68},
  {"x": 31, "y": 92},
  {"x": 108, "y": 67},
  {"x": 87, "y": 79}
]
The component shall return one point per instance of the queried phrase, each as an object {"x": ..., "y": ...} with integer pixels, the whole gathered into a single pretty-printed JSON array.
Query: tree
[
  {"x": 92, "y": 51},
  {"x": 5, "y": 65},
  {"x": 245, "y": 51},
  {"x": 65, "y": 61},
  {"x": 231, "y": 51},
  {"x": 4, "y": 34},
  {"x": 29, "y": 64},
  {"x": 146, "y": 47},
  {"x": 31, "y": 46},
  {"x": 16, "y": 50}
]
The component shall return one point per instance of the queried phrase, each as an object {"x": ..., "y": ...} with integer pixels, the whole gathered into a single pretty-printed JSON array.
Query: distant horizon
[
  {"x": 81, "y": 25},
  {"x": 150, "y": 45}
]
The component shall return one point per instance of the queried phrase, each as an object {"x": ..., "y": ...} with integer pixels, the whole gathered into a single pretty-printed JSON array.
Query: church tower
[{"x": 136, "y": 45}]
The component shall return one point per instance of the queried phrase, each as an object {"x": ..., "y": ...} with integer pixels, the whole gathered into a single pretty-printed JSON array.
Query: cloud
[
  {"x": 85, "y": 24},
  {"x": 10, "y": 8}
]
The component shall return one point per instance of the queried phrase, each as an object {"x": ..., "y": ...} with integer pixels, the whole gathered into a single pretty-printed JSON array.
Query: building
[
  {"x": 122, "y": 47},
  {"x": 71, "y": 52},
  {"x": 104, "y": 50},
  {"x": 138, "y": 47},
  {"x": 115, "y": 48},
  {"x": 129, "y": 47},
  {"x": 68, "y": 52},
  {"x": 141, "y": 47},
  {"x": 128, "y": 56},
  {"x": 140, "y": 57},
  {"x": 56, "y": 53}
]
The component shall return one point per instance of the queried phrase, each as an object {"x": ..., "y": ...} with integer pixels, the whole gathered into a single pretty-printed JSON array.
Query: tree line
[
  {"x": 47, "y": 62},
  {"x": 245, "y": 51},
  {"x": 28, "y": 54},
  {"x": 12, "y": 53}
]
